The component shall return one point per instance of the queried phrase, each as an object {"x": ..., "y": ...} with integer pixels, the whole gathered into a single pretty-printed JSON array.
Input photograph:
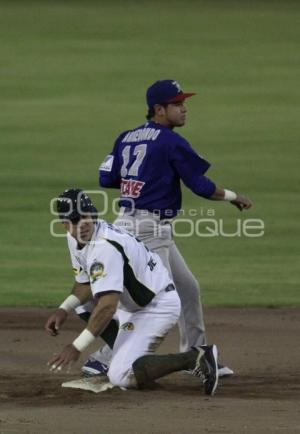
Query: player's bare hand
[
  {"x": 65, "y": 359},
  {"x": 55, "y": 321},
  {"x": 242, "y": 202}
]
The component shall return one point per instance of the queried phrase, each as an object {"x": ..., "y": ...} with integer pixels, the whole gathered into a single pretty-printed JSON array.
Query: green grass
[{"x": 73, "y": 75}]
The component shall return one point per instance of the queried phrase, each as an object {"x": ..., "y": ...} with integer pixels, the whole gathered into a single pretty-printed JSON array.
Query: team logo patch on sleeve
[
  {"x": 97, "y": 271},
  {"x": 106, "y": 166},
  {"x": 128, "y": 326}
]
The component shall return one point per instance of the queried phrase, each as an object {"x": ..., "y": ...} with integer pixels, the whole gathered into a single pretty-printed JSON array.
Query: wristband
[
  {"x": 83, "y": 340},
  {"x": 70, "y": 303},
  {"x": 229, "y": 195}
]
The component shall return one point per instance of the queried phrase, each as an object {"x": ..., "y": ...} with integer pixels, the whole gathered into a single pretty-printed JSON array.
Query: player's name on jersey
[{"x": 141, "y": 134}]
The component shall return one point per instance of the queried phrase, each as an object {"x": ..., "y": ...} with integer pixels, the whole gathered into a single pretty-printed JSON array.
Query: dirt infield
[{"x": 261, "y": 345}]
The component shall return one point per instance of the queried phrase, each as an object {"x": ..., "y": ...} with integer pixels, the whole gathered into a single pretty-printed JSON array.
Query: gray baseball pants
[{"x": 156, "y": 234}]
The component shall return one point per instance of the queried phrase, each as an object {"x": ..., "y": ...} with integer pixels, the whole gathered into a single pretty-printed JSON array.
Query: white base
[{"x": 94, "y": 384}]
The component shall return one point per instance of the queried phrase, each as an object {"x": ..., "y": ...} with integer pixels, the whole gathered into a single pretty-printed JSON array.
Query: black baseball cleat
[{"x": 206, "y": 367}]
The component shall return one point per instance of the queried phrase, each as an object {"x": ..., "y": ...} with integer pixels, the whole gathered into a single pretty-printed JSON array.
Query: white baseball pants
[{"x": 141, "y": 334}]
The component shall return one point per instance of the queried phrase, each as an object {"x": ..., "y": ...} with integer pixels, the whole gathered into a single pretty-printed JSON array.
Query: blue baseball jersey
[{"x": 147, "y": 164}]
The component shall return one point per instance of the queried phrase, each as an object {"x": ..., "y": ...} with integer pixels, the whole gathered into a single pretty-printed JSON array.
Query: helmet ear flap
[{"x": 94, "y": 212}]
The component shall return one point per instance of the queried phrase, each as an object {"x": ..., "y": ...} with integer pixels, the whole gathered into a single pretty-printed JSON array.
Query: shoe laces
[{"x": 198, "y": 372}]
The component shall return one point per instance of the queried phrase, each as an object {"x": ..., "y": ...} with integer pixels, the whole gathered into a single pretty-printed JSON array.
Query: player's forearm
[
  {"x": 103, "y": 312},
  {"x": 100, "y": 318},
  {"x": 98, "y": 321},
  {"x": 82, "y": 291},
  {"x": 223, "y": 194}
]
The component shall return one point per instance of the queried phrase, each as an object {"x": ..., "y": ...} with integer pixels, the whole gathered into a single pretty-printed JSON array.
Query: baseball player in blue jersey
[{"x": 148, "y": 164}]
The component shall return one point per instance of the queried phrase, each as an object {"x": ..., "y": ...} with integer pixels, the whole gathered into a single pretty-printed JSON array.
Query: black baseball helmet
[{"x": 74, "y": 203}]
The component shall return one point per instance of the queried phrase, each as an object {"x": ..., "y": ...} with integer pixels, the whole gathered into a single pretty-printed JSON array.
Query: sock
[{"x": 148, "y": 368}]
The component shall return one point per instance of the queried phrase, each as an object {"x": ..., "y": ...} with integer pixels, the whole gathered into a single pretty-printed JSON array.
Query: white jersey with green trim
[{"x": 114, "y": 260}]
